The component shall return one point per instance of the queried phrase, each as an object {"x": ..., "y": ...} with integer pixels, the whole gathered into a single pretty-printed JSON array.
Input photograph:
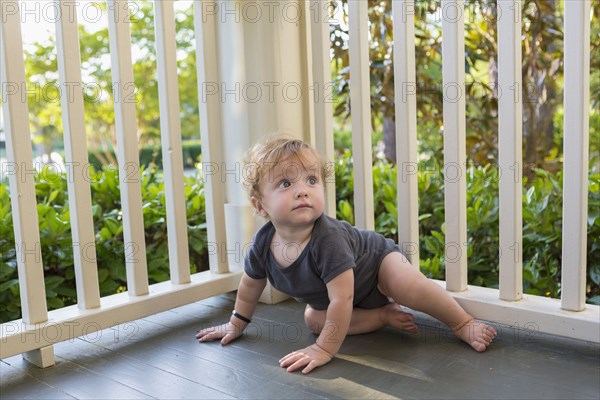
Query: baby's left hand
[{"x": 312, "y": 356}]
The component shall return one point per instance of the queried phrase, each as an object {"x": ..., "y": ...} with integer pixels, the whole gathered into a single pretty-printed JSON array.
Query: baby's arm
[
  {"x": 341, "y": 294},
  {"x": 248, "y": 293}
]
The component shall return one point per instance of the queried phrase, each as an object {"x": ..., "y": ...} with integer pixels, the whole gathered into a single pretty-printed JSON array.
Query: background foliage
[
  {"x": 149, "y": 155},
  {"x": 56, "y": 242},
  {"x": 542, "y": 77},
  {"x": 542, "y": 223},
  {"x": 99, "y": 97}
]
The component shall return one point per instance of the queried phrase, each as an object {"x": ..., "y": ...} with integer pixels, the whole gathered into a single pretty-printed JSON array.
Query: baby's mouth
[{"x": 302, "y": 206}]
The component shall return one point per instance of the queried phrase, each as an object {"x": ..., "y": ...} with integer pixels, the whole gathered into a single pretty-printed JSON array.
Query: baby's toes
[
  {"x": 412, "y": 328},
  {"x": 396, "y": 317},
  {"x": 479, "y": 346},
  {"x": 404, "y": 326},
  {"x": 477, "y": 334}
]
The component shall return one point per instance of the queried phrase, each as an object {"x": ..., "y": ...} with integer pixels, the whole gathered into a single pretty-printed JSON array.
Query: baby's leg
[
  {"x": 408, "y": 286},
  {"x": 365, "y": 320}
]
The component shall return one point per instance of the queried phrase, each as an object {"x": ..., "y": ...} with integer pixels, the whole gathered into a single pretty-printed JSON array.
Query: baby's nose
[{"x": 301, "y": 192}]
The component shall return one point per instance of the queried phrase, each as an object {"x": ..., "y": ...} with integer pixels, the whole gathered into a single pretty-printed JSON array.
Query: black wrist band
[{"x": 240, "y": 316}]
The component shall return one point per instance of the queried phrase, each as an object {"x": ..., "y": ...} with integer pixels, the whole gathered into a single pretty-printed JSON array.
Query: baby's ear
[{"x": 258, "y": 207}]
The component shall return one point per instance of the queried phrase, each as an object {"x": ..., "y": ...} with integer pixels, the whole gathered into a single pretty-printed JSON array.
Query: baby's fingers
[
  {"x": 311, "y": 365},
  {"x": 293, "y": 363},
  {"x": 290, "y": 358},
  {"x": 203, "y": 333},
  {"x": 228, "y": 338},
  {"x": 208, "y": 334}
]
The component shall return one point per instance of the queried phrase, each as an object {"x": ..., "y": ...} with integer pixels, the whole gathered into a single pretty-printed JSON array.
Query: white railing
[
  {"x": 35, "y": 333},
  {"x": 38, "y": 329}
]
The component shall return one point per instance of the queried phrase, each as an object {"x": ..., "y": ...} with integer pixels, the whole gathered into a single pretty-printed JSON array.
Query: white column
[
  {"x": 76, "y": 157},
  {"x": 207, "y": 65},
  {"x": 405, "y": 89},
  {"x": 455, "y": 180},
  {"x": 237, "y": 93},
  {"x": 170, "y": 133},
  {"x": 127, "y": 148},
  {"x": 576, "y": 157},
  {"x": 360, "y": 100},
  {"x": 510, "y": 159},
  {"x": 318, "y": 47},
  {"x": 20, "y": 173}
]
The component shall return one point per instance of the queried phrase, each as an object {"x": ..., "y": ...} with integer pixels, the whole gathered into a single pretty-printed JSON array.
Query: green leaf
[
  {"x": 66, "y": 292},
  {"x": 105, "y": 233},
  {"x": 51, "y": 221},
  {"x": 97, "y": 211},
  {"x": 103, "y": 274},
  {"x": 196, "y": 202},
  {"x": 431, "y": 244},
  {"x": 113, "y": 226},
  {"x": 529, "y": 194},
  {"x": 54, "y": 303},
  {"x": 53, "y": 195},
  {"x": 346, "y": 212},
  {"x": 424, "y": 216},
  {"x": 389, "y": 193},
  {"x": 9, "y": 284},
  {"x": 52, "y": 282},
  {"x": 438, "y": 236},
  {"x": 391, "y": 208}
]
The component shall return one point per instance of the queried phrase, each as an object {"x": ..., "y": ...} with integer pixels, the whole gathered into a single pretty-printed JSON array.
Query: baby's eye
[
  {"x": 285, "y": 184},
  {"x": 312, "y": 180}
]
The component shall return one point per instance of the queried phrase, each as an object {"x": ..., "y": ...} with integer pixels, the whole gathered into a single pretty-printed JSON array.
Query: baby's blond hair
[{"x": 262, "y": 157}]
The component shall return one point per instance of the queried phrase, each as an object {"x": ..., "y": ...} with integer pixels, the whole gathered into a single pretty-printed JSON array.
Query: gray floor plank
[
  {"x": 77, "y": 381},
  {"x": 244, "y": 356},
  {"x": 225, "y": 377},
  {"x": 228, "y": 377},
  {"x": 137, "y": 373},
  {"x": 512, "y": 368},
  {"x": 13, "y": 380}
]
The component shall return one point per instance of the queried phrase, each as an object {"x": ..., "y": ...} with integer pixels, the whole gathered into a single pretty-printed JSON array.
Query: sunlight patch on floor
[
  {"x": 387, "y": 366},
  {"x": 351, "y": 390}
]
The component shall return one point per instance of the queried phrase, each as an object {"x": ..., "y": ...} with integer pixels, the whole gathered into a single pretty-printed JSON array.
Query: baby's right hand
[{"x": 226, "y": 332}]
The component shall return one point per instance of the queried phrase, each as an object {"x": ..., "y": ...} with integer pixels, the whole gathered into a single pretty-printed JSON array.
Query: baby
[{"x": 352, "y": 281}]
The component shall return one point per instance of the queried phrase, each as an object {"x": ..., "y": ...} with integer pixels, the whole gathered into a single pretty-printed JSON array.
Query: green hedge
[
  {"x": 542, "y": 223},
  {"x": 149, "y": 155},
  {"x": 56, "y": 242},
  {"x": 542, "y": 215}
]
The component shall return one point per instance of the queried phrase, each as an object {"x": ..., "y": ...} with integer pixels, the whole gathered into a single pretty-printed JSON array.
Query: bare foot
[
  {"x": 392, "y": 314},
  {"x": 476, "y": 334}
]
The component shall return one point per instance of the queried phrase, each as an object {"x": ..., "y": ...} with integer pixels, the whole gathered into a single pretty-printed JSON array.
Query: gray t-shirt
[{"x": 334, "y": 247}]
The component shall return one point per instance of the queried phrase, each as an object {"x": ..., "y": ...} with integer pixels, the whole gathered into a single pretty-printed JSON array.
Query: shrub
[
  {"x": 56, "y": 242},
  {"x": 149, "y": 155},
  {"x": 542, "y": 223}
]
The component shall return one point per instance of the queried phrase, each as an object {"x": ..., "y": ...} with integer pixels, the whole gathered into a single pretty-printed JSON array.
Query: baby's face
[{"x": 292, "y": 193}]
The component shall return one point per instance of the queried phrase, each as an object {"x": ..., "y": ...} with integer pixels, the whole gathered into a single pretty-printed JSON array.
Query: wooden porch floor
[{"x": 158, "y": 357}]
